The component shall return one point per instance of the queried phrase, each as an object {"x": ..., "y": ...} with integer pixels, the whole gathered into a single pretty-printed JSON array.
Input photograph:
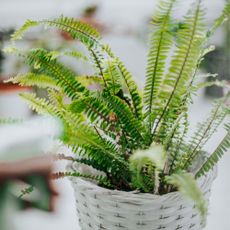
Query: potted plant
[{"x": 137, "y": 158}]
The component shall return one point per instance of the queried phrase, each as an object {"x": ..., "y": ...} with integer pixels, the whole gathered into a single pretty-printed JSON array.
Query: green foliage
[
  {"x": 101, "y": 180},
  {"x": 33, "y": 79},
  {"x": 187, "y": 185},
  {"x": 27, "y": 25},
  {"x": 139, "y": 142},
  {"x": 216, "y": 155},
  {"x": 183, "y": 63},
  {"x": 146, "y": 166},
  {"x": 160, "y": 44},
  {"x": 220, "y": 20},
  {"x": 205, "y": 130}
]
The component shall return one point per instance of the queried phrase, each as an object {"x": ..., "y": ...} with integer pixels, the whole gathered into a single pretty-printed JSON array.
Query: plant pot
[
  {"x": 11, "y": 105},
  {"x": 100, "y": 208}
]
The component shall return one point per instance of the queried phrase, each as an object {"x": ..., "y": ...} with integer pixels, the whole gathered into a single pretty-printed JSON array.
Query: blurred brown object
[{"x": 24, "y": 169}]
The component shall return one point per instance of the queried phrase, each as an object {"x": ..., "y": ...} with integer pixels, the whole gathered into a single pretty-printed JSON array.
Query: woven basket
[{"x": 100, "y": 208}]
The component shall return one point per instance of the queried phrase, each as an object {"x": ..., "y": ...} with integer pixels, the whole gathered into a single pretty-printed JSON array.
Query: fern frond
[
  {"x": 131, "y": 86},
  {"x": 74, "y": 27},
  {"x": 220, "y": 20},
  {"x": 205, "y": 131},
  {"x": 160, "y": 45},
  {"x": 184, "y": 61},
  {"x": 76, "y": 54},
  {"x": 131, "y": 125},
  {"x": 84, "y": 135},
  {"x": 99, "y": 160},
  {"x": 40, "y": 105},
  {"x": 33, "y": 79},
  {"x": 132, "y": 89},
  {"x": 98, "y": 60},
  {"x": 57, "y": 99},
  {"x": 146, "y": 165},
  {"x": 7, "y": 121},
  {"x": 187, "y": 185},
  {"x": 26, "y": 191},
  {"x": 27, "y": 25},
  {"x": 112, "y": 77},
  {"x": 77, "y": 29},
  {"x": 176, "y": 147},
  {"x": 216, "y": 155},
  {"x": 101, "y": 180},
  {"x": 64, "y": 77},
  {"x": 89, "y": 81},
  {"x": 96, "y": 111}
]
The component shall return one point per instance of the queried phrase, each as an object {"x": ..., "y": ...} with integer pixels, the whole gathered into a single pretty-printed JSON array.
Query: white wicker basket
[{"x": 100, "y": 208}]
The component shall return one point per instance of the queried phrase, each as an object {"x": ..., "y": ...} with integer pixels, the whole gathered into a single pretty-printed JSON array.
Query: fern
[
  {"x": 75, "y": 54},
  {"x": 77, "y": 29},
  {"x": 40, "y": 105},
  {"x": 216, "y": 155},
  {"x": 129, "y": 83},
  {"x": 112, "y": 77},
  {"x": 187, "y": 185},
  {"x": 115, "y": 129},
  {"x": 103, "y": 181},
  {"x": 132, "y": 89},
  {"x": 183, "y": 63},
  {"x": 26, "y": 191},
  {"x": 220, "y": 20},
  {"x": 6, "y": 121},
  {"x": 19, "y": 33},
  {"x": 131, "y": 125},
  {"x": 160, "y": 44},
  {"x": 47, "y": 65},
  {"x": 33, "y": 79},
  {"x": 96, "y": 111},
  {"x": 205, "y": 131}
]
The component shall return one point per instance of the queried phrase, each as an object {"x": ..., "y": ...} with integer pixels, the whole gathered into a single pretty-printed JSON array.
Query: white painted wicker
[{"x": 99, "y": 208}]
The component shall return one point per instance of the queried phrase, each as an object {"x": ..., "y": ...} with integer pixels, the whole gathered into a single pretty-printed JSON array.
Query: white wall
[{"x": 14, "y": 12}]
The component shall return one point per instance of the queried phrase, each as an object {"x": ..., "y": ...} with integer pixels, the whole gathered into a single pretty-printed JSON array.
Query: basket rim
[{"x": 202, "y": 181}]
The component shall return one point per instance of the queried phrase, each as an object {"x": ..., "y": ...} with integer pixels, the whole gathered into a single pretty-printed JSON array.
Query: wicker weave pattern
[{"x": 100, "y": 208}]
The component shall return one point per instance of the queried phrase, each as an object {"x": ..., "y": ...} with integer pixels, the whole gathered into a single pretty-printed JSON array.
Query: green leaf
[
  {"x": 220, "y": 20},
  {"x": 19, "y": 33},
  {"x": 49, "y": 66},
  {"x": 40, "y": 105},
  {"x": 33, "y": 79},
  {"x": 160, "y": 44},
  {"x": 155, "y": 154},
  {"x": 182, "y": 66},
  {"x": 187, "y": 185},
  {"x": 216, "y": 155},
  {"x": 205, "y": 131}
]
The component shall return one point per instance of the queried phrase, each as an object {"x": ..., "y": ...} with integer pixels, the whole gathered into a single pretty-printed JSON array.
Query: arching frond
[
  {"x": 220, "y": 20},
  {"x": 65, "y": 78},
  {"x": 187, "y": 185},
  {"x": 40, "y": 105},
  {"x": 183, "y": 64},
  {"x": 131, "y": 125},
  {"x": 33, "y": 79},
  {"x": 216, "y": 155},
  {"x": 161, "y": 42},
  {"x": 27, "y": 25},
  {"x": 131, "y": 86},
  {"x": 101, "y": 180},
  {"x": 205, "y": 131},
  {"x": 76, "y": 28}
]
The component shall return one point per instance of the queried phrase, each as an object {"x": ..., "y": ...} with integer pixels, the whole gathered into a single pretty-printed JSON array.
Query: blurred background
[{"x": 124, "y": 25}]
